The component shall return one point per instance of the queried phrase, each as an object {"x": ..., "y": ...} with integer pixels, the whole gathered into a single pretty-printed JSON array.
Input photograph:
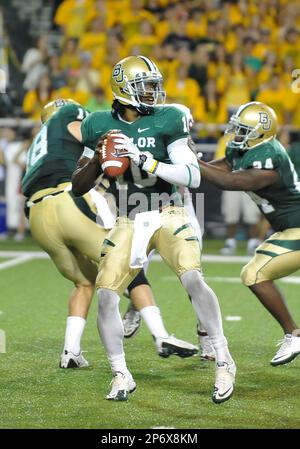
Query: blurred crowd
[{"x": 214, "y": 55}]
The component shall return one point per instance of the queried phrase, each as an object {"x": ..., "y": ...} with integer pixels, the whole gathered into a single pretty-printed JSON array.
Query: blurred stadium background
[{"x": 214, "y": 55}]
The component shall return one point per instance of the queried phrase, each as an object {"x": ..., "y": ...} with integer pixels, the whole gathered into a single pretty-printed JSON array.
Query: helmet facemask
[
  {"x": 242, "y": 134},
  {"x": 146, "y": 91}
]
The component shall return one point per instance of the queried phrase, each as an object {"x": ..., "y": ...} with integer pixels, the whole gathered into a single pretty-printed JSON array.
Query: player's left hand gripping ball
[{"x": 113, "y": 165}]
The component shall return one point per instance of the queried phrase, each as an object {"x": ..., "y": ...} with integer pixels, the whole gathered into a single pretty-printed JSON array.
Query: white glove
[
  {"x": 128, "y": 148},
  {"x": 199, "y": 155}
]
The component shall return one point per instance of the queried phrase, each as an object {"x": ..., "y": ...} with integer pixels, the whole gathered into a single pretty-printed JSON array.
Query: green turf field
[{"x": 172, "y": 392}]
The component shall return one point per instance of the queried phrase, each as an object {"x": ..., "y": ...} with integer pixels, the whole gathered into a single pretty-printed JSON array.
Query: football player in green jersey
[
  {"x": 57, "y": 218},
  {"x": 257, "y": 163},
  {"x": 66, "y": 227},
  {"x": 151, "y": 215}
]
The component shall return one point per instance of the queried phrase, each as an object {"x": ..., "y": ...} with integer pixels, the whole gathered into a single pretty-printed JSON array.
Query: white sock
[
  {"x": 152, "y": 317},
  {"x": 231, "y": 243},
  {"x": 253, "y": 243},
  {"x": 111, "y": 329},
  {"x": 206, "y": 306},
  {"x": 118, "y": 364},
  {"x": 221, "y": 347},
  {"x": 74, "y": 330}
]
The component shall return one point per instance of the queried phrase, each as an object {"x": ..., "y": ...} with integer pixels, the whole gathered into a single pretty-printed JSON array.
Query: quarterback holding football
[{"x": 151, "y": 216}]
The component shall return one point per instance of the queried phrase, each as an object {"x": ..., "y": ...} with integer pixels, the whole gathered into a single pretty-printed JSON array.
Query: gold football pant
[
  {"x": 275, "y": 258},
  {"x": 175, "y": 241},
  {"x": 72, "y": 240}
]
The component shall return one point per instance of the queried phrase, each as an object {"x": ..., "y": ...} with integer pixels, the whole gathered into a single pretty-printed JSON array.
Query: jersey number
[
  {"x": 136, "y": 172},
  {"x": 39, "y": 147},
  {"x": 268, "y": 164}
]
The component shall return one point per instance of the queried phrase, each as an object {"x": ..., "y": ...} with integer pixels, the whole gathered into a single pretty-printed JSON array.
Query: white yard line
[
  {"x": 155, "y": 258},
  {"x": 34, "y": 254},
  {"x": 213, "y": 258},
  {"x": 15, "y": 261},
  {"x": 236, "y": 280},
  {"x": 225, "y": 259},
  {"x": 231, "y": 280},
  {"x": 19, "y": 257},
  {"x": 291, "y": 280}
]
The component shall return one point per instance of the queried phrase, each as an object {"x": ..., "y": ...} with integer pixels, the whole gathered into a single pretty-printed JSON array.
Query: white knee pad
[{"x": 193, "y": 281}]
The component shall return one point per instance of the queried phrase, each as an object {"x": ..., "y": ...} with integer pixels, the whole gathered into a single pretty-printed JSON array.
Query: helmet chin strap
[
  {"x": 141, "y": 110},
  {"x": 140, "y": 107},
  {"x": 145, "y": 110},
  {"x": 242, "y": 146}
]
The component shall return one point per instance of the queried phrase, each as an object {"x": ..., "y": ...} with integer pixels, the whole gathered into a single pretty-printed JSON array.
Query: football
[{"x": 112, "y": 165}]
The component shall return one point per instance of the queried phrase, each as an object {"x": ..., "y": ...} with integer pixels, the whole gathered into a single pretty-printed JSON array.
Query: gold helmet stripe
[
  {"x": 244, "y": 106},
  {"x": 149, "y": 63}
]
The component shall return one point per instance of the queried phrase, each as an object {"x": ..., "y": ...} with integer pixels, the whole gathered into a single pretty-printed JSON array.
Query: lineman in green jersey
[
  {"x": 57, "y": 219},
  {"x": 150, "y": 212},
  {"x": 257, "y": 163},
  {"x": 66, "y": 227}
]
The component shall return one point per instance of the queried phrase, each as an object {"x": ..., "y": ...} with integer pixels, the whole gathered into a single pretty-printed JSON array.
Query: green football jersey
[
  {"x": 151, "y": 134},
  {"x": 279, "y": 202},
  {"x": 54, "y": 152}
]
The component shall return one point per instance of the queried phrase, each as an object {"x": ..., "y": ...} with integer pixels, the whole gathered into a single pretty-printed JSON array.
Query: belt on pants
[{"x": 49, "y": 195}]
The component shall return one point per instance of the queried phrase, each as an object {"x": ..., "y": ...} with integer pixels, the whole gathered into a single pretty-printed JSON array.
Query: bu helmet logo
[
  {"x": 59, "y": 103},
  {"x": 265, "y": 121},
  {"x": 118, "y": 73}
]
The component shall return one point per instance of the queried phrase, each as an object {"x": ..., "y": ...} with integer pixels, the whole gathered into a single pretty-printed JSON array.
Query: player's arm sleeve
[{"x": 184, "y": 169}]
